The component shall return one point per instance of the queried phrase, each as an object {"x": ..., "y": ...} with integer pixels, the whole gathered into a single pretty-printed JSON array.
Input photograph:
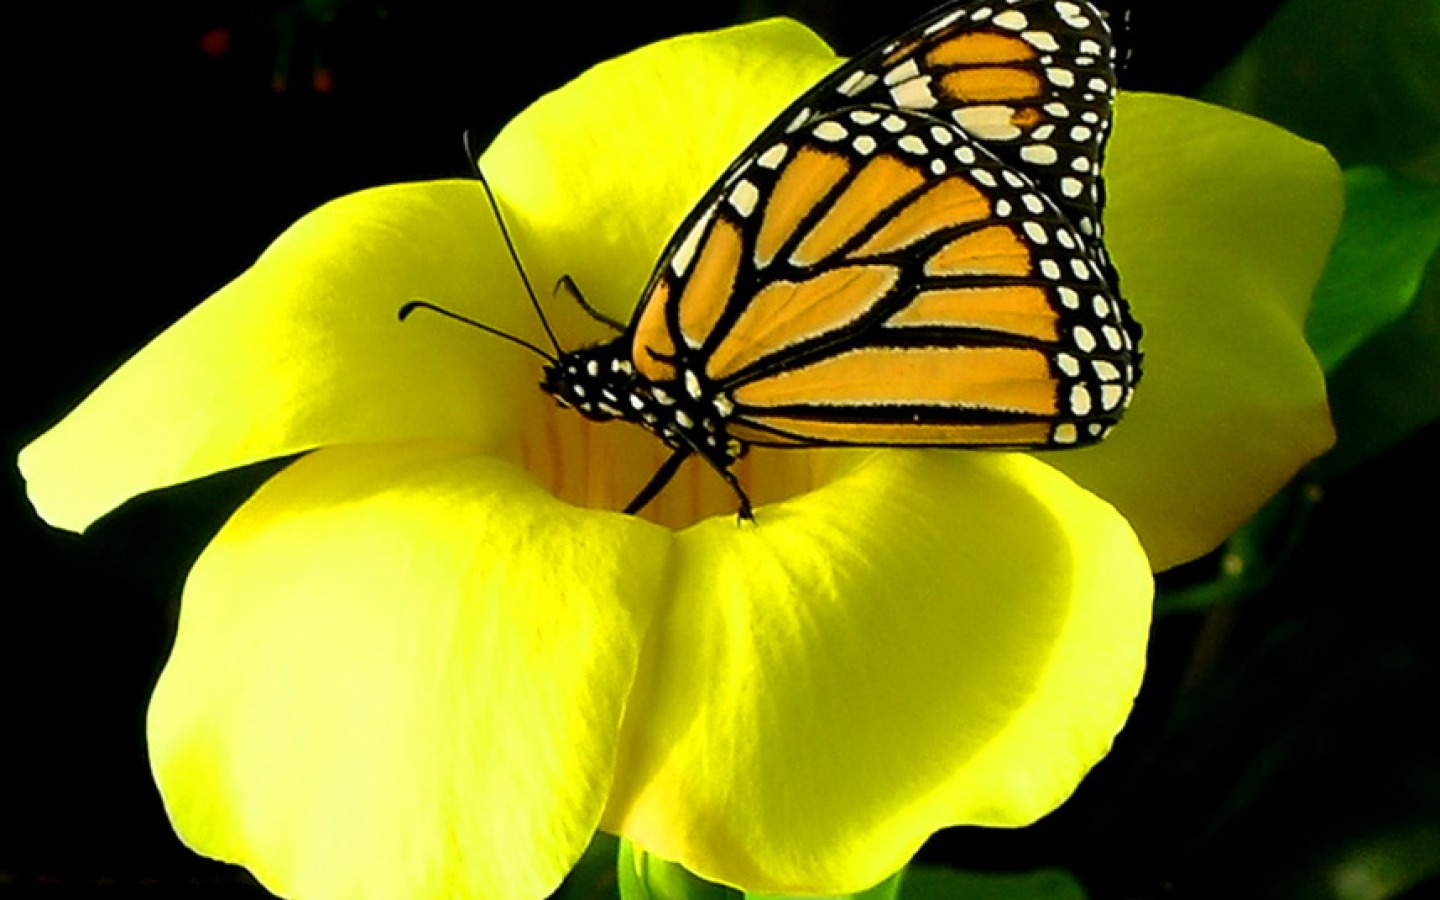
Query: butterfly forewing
[{"x": 930, "y": 294}]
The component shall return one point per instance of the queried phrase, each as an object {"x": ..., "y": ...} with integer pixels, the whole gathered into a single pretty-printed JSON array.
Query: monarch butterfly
[{"x": 910, "y": 254}]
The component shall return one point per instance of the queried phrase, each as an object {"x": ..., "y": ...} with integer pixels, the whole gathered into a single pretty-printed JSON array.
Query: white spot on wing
[
  {"x": 904, "y": 72},
  {"x": 686, "y": 251},
  {"x": 1039, "y": 154},
  {"x": 942, "y": 24},
  {"x": 1111, "y": 395},
  {"x": 1060, "y": 77},
  {"x": 1012, "y": 20},
  {"x": 914, "y": 94},
  {"x": 1041, "y": 40},
  {"x": 988, "y": 122},
  {"x": 744, "y": 196},
  {"x": 773, "y": 157},
  {"x": 857, "y": 82},
  {"x": 913, "y": 145}
]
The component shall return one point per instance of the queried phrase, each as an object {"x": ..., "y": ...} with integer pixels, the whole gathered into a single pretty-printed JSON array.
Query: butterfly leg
[
  {"x": 745, "y": 513},
  {"x": 566, "y": 285},
  {"x": 658, "y": 481},
  {"x": 667, "y": 471},
  {"x": 722, "y": 468}
]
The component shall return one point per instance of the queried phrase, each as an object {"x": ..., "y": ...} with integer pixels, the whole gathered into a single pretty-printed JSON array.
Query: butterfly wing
[
  {"x": 1033, "y": 81},
  {"x": 878, "y": 277},
  {"x": 889, "y": 264}
]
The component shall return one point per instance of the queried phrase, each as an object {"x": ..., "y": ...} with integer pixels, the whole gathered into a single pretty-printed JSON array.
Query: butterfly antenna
[
  {"x": 472, "y": 156},
  {"x": 413, "y": 305},
  {"x": 510, "y": 245}
]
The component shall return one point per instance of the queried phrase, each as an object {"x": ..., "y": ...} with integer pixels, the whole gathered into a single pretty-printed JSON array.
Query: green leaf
[
  {"x": 1389, "y": 388},
  {"x": 594, "y": 876},
  {"x": 1252, "y": 557},
  {"x": 1390, "y": 231},
  {"x": 643, "y": 876},
  {"x": 1358, "y": 76},
  {"x": 936, "y": 883},
  {"x": 889, "y": 889}
]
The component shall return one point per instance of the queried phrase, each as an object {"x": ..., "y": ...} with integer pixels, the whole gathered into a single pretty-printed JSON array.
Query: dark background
[{"x": 155, "y": 149}]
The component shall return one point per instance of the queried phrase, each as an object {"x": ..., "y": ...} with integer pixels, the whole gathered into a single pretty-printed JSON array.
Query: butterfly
[{"x": 909, "y": 255}]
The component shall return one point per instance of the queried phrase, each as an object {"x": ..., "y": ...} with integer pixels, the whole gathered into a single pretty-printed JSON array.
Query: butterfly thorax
[{"x": 601, "y": 383}]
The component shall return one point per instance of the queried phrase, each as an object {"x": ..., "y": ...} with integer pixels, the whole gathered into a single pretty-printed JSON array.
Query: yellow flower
[{"x": 428, "y": 660}]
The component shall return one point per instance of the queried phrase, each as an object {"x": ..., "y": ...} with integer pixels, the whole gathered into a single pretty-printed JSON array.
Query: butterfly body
[
  {"x": 686, "y": 413},
  {"x": 909, "y": 255}
]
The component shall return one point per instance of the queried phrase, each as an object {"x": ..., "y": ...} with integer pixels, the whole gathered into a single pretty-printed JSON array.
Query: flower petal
[
  {"x": 1220, "y": 225},
  {"x": 597, "y": 176},
  {"x": 935, "y": 638},
  {"x": 400, "y": 672},
  {"x": 304, "y": 350}
]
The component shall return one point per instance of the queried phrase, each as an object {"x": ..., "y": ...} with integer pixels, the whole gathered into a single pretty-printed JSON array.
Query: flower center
[{"x": 604, "y": 465}]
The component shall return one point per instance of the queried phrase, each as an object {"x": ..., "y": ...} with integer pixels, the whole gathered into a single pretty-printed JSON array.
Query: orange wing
[
  {"x": 1033, "y": 81},
  {"x": 911, "y": 253},
  {"x": 878, "y": 277}
]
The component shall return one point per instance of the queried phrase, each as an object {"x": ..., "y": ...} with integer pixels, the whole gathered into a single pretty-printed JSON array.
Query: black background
[{"x": 145, "y": 172}]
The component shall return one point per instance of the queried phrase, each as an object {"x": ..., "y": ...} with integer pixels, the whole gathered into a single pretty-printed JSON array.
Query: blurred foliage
[
  {"x": 1389, "y": 391},
  {"x": 1389, "y": 235},
  {"x": 935, "y": 883},
  {"x": 1361, "y": 77}
]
